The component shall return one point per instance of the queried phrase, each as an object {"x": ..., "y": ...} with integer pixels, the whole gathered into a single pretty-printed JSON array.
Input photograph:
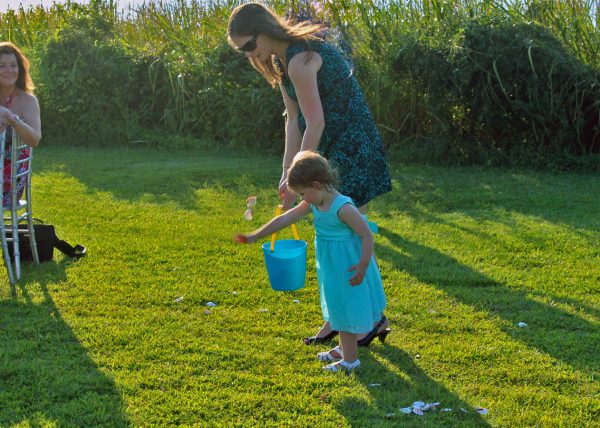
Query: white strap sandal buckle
[
  {"x": 342, "y": 365},
  {"x": 327, "y": 356}
]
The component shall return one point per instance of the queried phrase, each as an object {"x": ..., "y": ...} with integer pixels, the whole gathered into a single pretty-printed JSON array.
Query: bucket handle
[{"x": 278, "y": 211}]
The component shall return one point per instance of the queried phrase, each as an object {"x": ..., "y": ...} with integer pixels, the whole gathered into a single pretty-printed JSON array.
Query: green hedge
[{"x": 504, "y": 92}]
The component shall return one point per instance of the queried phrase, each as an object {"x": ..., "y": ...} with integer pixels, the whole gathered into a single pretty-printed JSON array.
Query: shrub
[
  {"x": 232, "y": 103},
  {"x": 84, "y": 92},
  {"x": 506, "y": 92}
]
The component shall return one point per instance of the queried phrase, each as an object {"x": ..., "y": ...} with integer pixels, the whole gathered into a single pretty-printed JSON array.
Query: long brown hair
[
  {"x": 252, "y": 19},
  {"x": 24, "y": 81}
]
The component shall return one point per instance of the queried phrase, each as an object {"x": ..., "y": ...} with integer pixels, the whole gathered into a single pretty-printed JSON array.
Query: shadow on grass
[
  {"x": 394, "y": 382},
  {"x": 46, "y": 375},
  {"x": 568, "y": 199},
  {"x": 159, "y": 175},
  {"x": 564, "y": 336}
]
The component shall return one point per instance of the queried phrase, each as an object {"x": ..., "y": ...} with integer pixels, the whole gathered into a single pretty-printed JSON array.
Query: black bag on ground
[{"x": 46, "y": 240}]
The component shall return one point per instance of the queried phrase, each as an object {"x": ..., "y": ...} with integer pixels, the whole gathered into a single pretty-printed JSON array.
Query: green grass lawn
[{"x": 466, "y": 254}]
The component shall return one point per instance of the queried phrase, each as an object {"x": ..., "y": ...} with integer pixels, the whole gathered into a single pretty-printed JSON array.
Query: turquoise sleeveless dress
[
  {"x": 350, "y": 140},
  {"x": 337, "y": 247}
]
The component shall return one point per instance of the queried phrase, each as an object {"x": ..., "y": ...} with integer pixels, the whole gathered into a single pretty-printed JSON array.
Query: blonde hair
[
  {"x": 24, "y": 81},
  {"x": 308, "y": 167},
  {"x": 252, "y": 19}
]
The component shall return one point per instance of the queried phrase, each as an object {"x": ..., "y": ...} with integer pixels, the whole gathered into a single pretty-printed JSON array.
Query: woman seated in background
[{"x": 19, "y": 110}]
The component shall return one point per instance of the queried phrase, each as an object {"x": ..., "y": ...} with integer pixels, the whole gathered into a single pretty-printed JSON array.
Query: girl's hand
[
  {"x": 240, "y": 238},
  {"x": 358, "y": 277}
]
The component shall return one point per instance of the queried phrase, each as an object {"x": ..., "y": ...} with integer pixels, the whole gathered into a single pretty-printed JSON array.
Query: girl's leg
[
  {"x": 347, "y": 341},
  {"x": 349, "y": 346},
  {"x": 350, "y": 351}
]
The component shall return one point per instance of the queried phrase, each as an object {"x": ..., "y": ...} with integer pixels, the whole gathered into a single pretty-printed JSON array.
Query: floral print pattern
[{"x": 350, "y": 140}]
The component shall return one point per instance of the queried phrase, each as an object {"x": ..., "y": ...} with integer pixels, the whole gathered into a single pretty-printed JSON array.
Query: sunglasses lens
[{"x": 249, "y": 46}]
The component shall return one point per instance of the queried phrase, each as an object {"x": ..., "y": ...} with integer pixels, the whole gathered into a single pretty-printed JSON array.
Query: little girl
[{"x": 352, "y": 296}]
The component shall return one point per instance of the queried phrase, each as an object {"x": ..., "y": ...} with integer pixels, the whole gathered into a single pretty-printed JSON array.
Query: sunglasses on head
[{"x": 250, "y": 45}]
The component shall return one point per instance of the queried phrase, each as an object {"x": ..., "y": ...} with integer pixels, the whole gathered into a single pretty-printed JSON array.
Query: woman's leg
[
  {"x": 324, "y": 334},
  {"x": 324, "y": 330},
  {"x": 381, "y": 327},
  {"x": 327, "y": 332}
]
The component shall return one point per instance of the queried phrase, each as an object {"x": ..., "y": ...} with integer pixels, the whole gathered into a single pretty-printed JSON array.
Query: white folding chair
[{"x": 19, "y": 209}]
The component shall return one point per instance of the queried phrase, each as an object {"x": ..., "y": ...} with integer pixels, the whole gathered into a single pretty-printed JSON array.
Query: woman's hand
[
  {"x": 25, "y": 119},
  {"x": 5, "y": 115},
  {"x": 286, "y": 195}
]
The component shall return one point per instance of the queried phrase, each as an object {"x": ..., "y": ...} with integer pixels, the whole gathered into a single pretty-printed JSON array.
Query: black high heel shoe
[
  {"x": 316, "y": 339},
  {"x": 375, "y": 333}
]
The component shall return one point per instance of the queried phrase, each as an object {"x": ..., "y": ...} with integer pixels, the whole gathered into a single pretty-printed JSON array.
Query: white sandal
[
  {"x": 327, "y": 356},
  {"x": 342, "y": 365}
]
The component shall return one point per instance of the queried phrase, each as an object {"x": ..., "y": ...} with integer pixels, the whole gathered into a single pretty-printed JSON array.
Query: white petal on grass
[
  {"x": 430, "y": 406},
  {"x": 522, "y": 324},
  {"x": 211, "y": 304},
  {"x": 250, "y": 202},
  {"x": 419, "y": 407},
  {"x": 481, "y": 410},
  {"x": 179, "y": 299}
]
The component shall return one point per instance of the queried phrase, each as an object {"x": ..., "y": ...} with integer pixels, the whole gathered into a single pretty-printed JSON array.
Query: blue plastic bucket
[{"x": 286, "y": 265}]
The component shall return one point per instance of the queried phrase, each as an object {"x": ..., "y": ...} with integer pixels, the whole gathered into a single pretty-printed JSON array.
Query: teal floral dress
[{"x": 350, "y": 140}]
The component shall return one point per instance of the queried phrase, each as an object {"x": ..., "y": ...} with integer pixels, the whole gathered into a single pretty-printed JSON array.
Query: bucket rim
[{"x": 300, "y": 244}]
